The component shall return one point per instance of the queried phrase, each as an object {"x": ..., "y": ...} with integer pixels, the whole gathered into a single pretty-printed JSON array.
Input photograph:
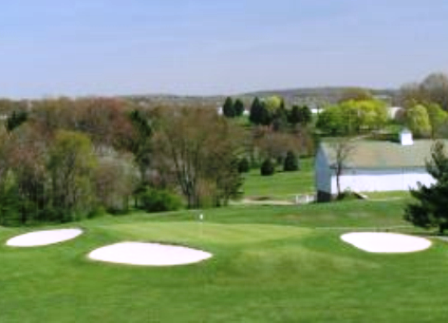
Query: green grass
[
  {"x": 281, "y": 185},
  {"x": 388, "y": 195},
  {"x": 270, "y": 264}
]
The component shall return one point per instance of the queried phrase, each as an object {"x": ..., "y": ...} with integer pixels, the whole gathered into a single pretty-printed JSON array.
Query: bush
[
  {"x": 152, "y": 200},
  {"x": 243, "y": 165},
  {"x": 267, "y": 168},
  {"x": 291, "y": 162}
]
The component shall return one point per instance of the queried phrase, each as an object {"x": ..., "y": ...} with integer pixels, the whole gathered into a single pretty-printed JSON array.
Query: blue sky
[{"x": 105, "y": 47}]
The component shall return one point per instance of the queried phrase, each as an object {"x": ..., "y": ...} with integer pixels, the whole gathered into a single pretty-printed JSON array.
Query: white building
[{"x": 374, "y": 166}]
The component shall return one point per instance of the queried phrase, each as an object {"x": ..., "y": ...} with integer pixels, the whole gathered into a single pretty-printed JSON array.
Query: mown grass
[
  {"x": 270, "y": 264},
  {"x": 281, "y": 185}
]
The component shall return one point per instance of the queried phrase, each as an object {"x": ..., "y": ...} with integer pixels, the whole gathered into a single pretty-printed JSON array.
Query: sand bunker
[
  {"x": 43, "y": 238},
  {"x": 148, "y": 254},
  {"x": 386, "y": 242}
]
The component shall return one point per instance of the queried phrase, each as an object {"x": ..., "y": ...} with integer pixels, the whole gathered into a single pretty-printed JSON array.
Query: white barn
[{"x": 374, "y": 166}]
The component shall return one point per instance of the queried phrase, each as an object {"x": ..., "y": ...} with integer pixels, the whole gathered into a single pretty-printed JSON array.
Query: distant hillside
[{"x": 310, "y": 96}]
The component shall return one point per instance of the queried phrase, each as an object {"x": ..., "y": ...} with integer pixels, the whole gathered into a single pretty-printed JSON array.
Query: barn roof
[{"x": 369, "y": 154}]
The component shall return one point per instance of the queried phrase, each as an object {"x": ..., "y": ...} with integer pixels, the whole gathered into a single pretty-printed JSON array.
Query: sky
[{"x": 207, "y": 47}]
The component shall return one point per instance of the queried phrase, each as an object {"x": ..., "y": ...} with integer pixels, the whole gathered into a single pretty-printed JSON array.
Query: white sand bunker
[
  {"x": 386, "y": 242},
  {"x": 148, "y": 254},
  {"x": 43, "y": 238}
]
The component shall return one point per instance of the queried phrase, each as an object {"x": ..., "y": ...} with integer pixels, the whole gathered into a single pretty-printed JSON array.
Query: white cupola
[{"x": 406, "y": 137}]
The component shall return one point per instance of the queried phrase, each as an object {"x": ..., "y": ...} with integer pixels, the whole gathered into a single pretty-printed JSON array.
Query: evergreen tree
[
  {"x": 267, "y": 168},
  {"x": 228, "y": 108},
  {"x": 256, "y": 112},
  {"x": 430, "y": 209},
  {"x": 243, "y": 165},
  {"x": 305, "y": 115},
  {"x": 15, "y": 120},
  {"x": 266, "y": 117},
  {"x": 291, "y": 163},
  {"x": 294, "y": 115},
  {"x": 238, "y": 107},
  {"x": 280, "y": 120}
]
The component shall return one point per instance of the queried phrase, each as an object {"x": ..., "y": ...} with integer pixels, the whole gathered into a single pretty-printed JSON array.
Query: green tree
[
  {"x": 243, "y": 165},
  {"x": 305, "y": 115},
  {"x": 140, "y": 143},
  {"x": 16, "y": 119},
  {"x": 228, "y": 108},
  {"x": 72, "y": 165},
  {"x": 356, "y": 94},
  {"x": 291, "y": 162},
  {"x": 201, "y": 149},
  {"x": 417, "y": 120},
  {"x": 267, "y": 168},
  {"x": 294, "y": 115},
  {"x": 437, "y": 118},
  {"x": 256, "y": 112},
  {"x": 429, "y": 208},
  {"x": 238, "y": 106},
  {"x": 332, "y": 121}
]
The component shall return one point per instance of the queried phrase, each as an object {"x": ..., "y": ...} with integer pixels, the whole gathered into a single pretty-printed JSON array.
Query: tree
[
  {"x": 429, "y": 209},
  {"x": 291, "y": 162},
  {"x": 294, "y": 115},
  {"x": 342, "y": 148},
  {"x": 139, "y": 144},
  {"x": 267, "y": 168},
  {"x": 280, "y": 118},
  {"x": 228, "y": 108},
  {"x": 305, "y": 115},
  {"x": 332, "y": 121},
  {"x": 435, "y": 88},
  {"x": 437, "y": 118},
  {"x": 16, "y": 119},
  {"x": 356, "y": 94},
  {"x": 238, "y": 106},
  {"x": 256, "y": 112},
  {"x": 243, "y": 165},
  {"x": 201, "y": 149},
  {"x": 72, "y": 164},
  {"x": 417, "y": 120},
  {"x": 115, "y": 181}
]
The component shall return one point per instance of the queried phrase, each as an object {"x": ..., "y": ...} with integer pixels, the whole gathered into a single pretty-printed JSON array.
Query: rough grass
[{"x": 270, "y": 264}]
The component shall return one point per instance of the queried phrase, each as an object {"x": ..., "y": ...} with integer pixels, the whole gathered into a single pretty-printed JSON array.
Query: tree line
[{"x": 63, "y": 159}]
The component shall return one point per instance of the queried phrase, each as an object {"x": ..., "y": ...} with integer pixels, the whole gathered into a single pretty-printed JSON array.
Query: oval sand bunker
[
  {"x": 148, "y": 254},
  {"x": 43, "y": 238},
  {"x": 386, "y": 242}
]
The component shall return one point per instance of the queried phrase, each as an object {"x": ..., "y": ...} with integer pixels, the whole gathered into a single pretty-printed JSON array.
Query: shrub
[
  {"x": 152, "y": 200},
  {"x": 290, "y": 163},
  {"x": 267, "y": 168},
  {"x": 243, "y": 165}
]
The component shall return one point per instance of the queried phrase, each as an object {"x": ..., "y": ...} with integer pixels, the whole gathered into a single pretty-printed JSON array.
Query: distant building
[{"x": 374, "y": 166}]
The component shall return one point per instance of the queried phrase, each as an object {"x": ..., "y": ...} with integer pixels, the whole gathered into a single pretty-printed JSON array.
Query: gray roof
[{"x": 383, "y": 154}]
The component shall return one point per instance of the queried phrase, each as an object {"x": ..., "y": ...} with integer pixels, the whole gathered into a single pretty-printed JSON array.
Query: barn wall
[
  {"x": 322, "y": 173},
  {"x": 381, "y": 180}
]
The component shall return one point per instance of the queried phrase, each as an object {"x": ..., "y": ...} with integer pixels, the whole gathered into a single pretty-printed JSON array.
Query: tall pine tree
[
  {"x": 228, "y": 108},
  {"x": 430, "y": 208}
]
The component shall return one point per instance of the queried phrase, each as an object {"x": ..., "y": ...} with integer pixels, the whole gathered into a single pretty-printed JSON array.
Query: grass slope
[{"x": 270, "y": 264}]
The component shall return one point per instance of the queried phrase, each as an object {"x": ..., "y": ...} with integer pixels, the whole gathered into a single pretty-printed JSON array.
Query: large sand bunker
[
  {"x": 386, "y": 242},
  {"x": 43, "y": 238},
  {"x": 148, "y": 254}
]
